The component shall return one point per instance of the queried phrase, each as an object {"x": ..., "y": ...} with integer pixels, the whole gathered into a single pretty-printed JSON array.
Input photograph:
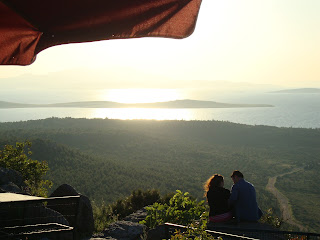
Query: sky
[{"x": 237, "y": 44}]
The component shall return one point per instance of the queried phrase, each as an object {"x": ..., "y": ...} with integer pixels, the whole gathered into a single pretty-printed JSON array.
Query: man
[{"x": 243, "y": 199}]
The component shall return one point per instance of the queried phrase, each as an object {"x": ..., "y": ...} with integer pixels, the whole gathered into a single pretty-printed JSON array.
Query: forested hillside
[{"x": 107, "y": 159}]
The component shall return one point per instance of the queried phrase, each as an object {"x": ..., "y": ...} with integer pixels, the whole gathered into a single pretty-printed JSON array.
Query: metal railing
[
  {"x": 38, "y": 218},
  {"x": 265, "y": 234},
  {"x": 224, "y": 235},
  {"x": 231, "y": 233}
]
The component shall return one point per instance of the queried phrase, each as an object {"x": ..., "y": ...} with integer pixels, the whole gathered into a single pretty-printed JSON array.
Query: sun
[{"x": 140, "y": 95}]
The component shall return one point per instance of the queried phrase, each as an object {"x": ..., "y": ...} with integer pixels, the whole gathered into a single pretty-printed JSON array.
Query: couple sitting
[{"x": 241, "y": 203}]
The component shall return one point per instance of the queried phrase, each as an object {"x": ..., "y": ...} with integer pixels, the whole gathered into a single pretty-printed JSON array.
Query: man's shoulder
[
  {"x": 248, "y": 183},
  {"x": 243, "y": 183}
]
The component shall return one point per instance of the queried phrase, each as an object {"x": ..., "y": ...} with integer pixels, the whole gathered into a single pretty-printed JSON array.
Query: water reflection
[
  {"x": 144, "y": 113},
  {"x": 289, "y": 111}
]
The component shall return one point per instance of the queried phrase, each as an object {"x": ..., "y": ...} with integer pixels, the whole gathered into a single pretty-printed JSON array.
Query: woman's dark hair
[{"x": 213, "y": 181}]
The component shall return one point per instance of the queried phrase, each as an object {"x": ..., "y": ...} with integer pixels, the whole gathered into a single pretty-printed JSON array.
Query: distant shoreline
[
  {"x": 300, "y": 90},
  {"x": 107, "y": 104}
]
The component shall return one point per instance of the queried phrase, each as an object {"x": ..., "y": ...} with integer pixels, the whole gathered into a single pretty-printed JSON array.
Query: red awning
[{"x": 30, "y": 26}]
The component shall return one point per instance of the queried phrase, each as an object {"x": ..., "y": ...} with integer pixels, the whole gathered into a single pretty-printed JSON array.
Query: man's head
[{"x": 236, "y": 176}]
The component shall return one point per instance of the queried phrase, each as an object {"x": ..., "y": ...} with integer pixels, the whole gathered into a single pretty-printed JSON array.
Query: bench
[{"x": 28, "y": 217}]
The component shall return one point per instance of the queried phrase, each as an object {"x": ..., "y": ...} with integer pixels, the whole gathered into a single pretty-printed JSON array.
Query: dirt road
[{"x": 283, "y": 201}]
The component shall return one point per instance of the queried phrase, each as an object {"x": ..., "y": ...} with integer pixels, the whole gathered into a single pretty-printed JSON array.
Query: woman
[{"x": 217, "y": 197}]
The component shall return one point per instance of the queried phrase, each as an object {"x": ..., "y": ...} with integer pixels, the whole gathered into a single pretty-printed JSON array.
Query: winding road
[{"x": 283, "y": 201}]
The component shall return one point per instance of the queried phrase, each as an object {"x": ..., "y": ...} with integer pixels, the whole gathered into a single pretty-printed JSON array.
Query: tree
[{"x": 33, "y": 171}]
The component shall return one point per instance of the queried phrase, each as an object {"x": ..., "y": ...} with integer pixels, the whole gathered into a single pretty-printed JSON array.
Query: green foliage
[
  {"x": 270, "y": 218},
  {"x": 106, "y": 214},
  {"x": 137, "y": 200},
  {"x": 103, "y": 216},
  {"x": 33, "y": 171},
  {"x": 195, "y": 231},
  {"x": 182, "y": 209}
]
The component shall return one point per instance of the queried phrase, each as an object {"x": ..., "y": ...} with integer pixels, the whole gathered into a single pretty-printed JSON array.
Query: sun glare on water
[
  {"x": 140, "y": 95},
  {"x": 143, "y": 113}
]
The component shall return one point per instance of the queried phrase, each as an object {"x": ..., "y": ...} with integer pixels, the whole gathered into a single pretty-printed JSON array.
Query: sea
[{"x": 289, "y": 110}]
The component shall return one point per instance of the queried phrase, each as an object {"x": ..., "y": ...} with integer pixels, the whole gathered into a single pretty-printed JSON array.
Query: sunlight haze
[
  {"x": 120, "y": 121},
  {"x": 236, "y": 46}
]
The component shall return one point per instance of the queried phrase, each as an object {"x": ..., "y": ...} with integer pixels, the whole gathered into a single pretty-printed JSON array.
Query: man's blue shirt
[{"x": 243, "y": 198}]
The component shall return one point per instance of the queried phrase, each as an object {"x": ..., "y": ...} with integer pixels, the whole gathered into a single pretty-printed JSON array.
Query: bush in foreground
[
  {"x": 33, "y": 171},
  {"x": 106, "y": 214},
  {"x": 181, "y": 209},
  {"x": 195, "y": 231}
]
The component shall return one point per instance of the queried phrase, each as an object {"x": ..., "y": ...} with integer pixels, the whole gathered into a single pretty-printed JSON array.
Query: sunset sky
[{"x": 236, "y": 42}]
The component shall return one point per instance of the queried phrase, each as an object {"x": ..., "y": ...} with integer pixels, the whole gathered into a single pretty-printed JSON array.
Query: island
[
  {"x": 187, "y": 103},
  {"x": 299, "y": 90}
]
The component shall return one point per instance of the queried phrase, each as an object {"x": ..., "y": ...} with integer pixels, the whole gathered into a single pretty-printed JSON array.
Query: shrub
[
  {"x": 106, "y": 214},
  {"x": 32, "y": 171},
  {"x": 182, "y": 209},
  {"x": 137, "y": 200},
  {"x": 102, "y": 216},
  {"x": 271, "y": 219},
  {"x": 195, "y": 231}
]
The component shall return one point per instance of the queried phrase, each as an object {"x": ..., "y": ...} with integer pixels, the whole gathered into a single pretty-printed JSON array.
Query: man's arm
[{"x": 234, "y": 195}]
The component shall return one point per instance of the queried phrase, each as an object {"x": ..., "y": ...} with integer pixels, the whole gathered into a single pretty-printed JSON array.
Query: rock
[
  {"x": 124, "y": 230},
  {"x": 9, "y": 175},
  {"x": 11, "y": 181},
  {"x": 84, "y": 223},
  {"x": 10, "y": 188},
  {"x": 157, "y": 233},
  {"x": 99, "y": 235},
  {"x": 136, "y": 216},
  {"x": 64, "y": 190},
  {"x": 39, "y": 214}
]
